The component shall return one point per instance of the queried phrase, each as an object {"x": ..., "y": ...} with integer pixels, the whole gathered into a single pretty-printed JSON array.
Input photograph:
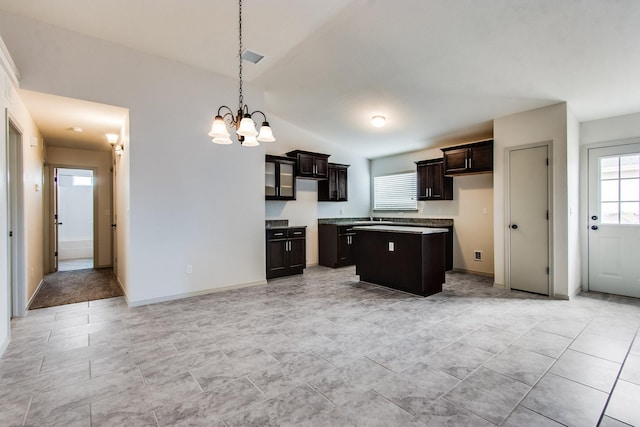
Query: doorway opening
[{"x": 74, "y": 218}]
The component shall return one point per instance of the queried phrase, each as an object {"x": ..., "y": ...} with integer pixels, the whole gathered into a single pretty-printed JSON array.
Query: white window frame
[{"x": 395, "y": 192}]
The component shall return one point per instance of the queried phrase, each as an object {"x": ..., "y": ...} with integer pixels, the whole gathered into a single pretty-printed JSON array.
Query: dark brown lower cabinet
[
  {"x": 336, "y": 245},
  {"x": 405, "y": 261},
  {"x": 286, "y": 251}
]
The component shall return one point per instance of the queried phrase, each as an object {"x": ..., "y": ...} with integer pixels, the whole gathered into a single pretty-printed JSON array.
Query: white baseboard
[
  {"x": 5, "y": 344},
  {"x": 34, "y": 294},
  {"x": 192, "y": 294},
  {"x": 124, "y": 291}
]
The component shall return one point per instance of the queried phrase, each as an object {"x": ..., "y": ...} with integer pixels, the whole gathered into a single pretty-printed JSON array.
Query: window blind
[{"x": 395, "y": 192}]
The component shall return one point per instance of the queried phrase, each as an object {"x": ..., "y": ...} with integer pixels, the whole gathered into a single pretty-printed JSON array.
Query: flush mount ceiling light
[
  {"x": 242, "y": 121},
  {"x": 378, "y": 121},
  {"x": 76, "y": 129}
]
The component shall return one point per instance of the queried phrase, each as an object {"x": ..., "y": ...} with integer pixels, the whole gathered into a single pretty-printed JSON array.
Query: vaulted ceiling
[{"x": 439, "y": 70}]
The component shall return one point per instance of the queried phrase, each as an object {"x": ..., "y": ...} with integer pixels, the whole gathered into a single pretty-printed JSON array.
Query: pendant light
[{"x": 242, "y": 121}]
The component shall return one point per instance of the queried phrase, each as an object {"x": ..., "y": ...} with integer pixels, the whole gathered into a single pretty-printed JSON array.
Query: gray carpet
[{"x": 68, "y": 287}]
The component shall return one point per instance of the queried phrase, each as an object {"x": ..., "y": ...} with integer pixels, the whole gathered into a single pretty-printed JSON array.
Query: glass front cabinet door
[{"x": 279, "y": 179}]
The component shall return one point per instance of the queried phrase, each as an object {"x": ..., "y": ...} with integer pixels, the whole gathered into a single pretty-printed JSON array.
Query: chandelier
[{"x": 242, "y": 121}]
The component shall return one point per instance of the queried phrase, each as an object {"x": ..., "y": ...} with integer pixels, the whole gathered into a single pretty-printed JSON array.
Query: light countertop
[{"x": 401, "y": 229}]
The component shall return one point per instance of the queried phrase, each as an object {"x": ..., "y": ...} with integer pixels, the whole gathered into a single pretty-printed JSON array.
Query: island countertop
[{"x": 401, "y": 229}]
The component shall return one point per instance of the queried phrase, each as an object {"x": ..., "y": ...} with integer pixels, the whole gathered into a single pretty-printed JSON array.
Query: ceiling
[
  {"x": 439, "y": 70},
  {"x": 73, "y": 123}
]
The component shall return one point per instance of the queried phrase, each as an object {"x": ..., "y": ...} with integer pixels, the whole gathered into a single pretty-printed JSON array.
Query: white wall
[
  {"x": 191, "y": 202},
  {"x": 5, "y": 305},
  {"x": 121, "y": 209},
  {"x": 101, "y": 162},
  {"x": 574, "y": 257},
  {"x": 306, "y": 209},
  {"x": 540, "y": 125},
  {"x": 473, "y": 230},
  {"x": 610, "y": 129},
  {"x": 32, "y": 228}
]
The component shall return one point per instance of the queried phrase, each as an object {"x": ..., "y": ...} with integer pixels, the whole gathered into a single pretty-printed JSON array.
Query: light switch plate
[{"x": 391, "y": 247}]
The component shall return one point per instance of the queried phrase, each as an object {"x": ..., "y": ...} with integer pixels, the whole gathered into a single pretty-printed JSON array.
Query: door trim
[
  {"x": 16, "y": 271},
  {"x": 507, "y": 205},
  {"x": 584, "y": 199},
  {"x": 48, "y": 229}
]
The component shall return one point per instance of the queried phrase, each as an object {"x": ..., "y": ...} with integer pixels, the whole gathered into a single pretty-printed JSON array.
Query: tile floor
[{"x": 324, "y": 349}]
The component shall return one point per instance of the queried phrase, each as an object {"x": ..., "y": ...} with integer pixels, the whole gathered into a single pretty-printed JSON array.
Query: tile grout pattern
[{"x": 325, "y": 349}]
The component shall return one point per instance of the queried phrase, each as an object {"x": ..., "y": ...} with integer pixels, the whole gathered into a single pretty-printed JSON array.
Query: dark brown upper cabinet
[
  {"x": 334, "y": 189},
  {"x": 279, "y": 178},
  {"x": 310, "y": 165},
  {"x": 432, "y": 184},
  {"x": 471, "y": 158}
]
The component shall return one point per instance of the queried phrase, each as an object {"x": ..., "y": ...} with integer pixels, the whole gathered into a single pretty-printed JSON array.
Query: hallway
[{"x": 69, "y": 287}]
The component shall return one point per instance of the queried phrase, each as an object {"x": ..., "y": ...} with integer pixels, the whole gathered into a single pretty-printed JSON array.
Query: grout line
[
  {"x": 393, "y": 403},
  {"x": 194, "y": 378},
  {"x": 547, "y": 371},
  {"x": 626, "y": 356},
  {"x": 26, "y": 414},
  {"x": 41, "y": 365}
]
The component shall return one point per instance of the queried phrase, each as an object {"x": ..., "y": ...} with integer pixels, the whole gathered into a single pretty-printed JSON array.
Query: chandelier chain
[{"x": 240, "y": 98}]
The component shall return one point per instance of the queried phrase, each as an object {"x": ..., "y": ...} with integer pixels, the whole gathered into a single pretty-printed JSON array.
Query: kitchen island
[{"x": 410, "y": 259}]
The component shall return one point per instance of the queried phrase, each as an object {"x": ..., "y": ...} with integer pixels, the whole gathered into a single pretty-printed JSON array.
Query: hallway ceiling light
[
  {"x": 112, "y": 138},
  {"x": 242, "y": 121},
  {"x": 76, "y": 129},
  {"x": 378, "y": 121}
]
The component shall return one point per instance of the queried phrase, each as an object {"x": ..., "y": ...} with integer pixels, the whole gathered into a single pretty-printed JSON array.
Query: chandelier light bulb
[
  {"x": 247, "y": 127},
  {"x": 219, "y": 128},
  {"x": 265, "y": 134},
  {"x": 250, "y": 141},
  {"x": 222, "y": 140}
]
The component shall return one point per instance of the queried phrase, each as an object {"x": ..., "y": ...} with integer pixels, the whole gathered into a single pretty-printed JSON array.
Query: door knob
[
  {"x": 514, "y": 226},
  {"x": 594, "y": 227}
]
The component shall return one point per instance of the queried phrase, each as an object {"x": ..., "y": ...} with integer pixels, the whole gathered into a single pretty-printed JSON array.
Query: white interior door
[
  {"x": 528, "y": 211},
  {"x": 614, "y": 221}
]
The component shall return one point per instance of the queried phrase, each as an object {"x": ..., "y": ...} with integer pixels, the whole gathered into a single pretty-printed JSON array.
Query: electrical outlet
[
  {"x": 189, "y": 269},
  {"x": 477, "y": 255}
]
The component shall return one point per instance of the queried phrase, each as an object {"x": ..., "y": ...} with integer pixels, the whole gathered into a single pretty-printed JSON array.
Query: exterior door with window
[{"x": 614, "y": 221}]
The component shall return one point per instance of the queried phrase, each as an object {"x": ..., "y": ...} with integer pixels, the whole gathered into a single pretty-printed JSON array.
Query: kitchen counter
[
  {"x": 410, "y": 259},
  {"x": 336, "y": 248},
  {"x": 413, "y": 222},
  {"x": 401, "y": 229}
]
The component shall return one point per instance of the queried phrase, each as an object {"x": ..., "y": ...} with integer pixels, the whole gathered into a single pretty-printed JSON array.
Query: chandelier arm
[
  {"x": 263, "y": 115},
  {"x": 229, "y": 111}
]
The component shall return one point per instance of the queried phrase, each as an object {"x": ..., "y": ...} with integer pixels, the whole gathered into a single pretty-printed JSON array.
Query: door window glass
[{"x": 620, "y": 189}]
